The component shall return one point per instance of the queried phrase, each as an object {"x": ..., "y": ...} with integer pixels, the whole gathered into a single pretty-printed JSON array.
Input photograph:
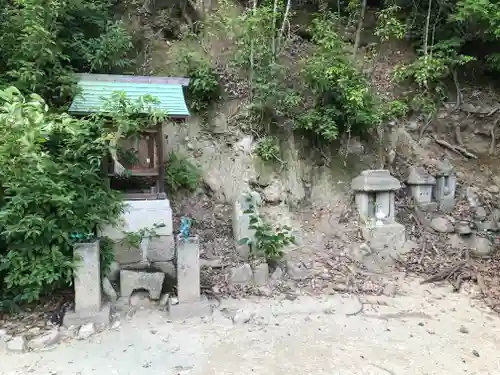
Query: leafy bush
[
  {"x": 268, "y": 149},
  {"x": 180, "y": 174},
  {"x": 50, "y": 188}
]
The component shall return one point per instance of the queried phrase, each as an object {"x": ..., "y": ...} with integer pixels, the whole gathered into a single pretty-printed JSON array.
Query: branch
[
  {"x": 285, "y": 20},
  {"x": 361, "y": 21},
  {"x": 459, "y": 150}
]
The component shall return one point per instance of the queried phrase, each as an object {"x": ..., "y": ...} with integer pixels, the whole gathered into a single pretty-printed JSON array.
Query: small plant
[
  {"x": 268, "y": 149},
  {"x": 204, "y": 88},
  {"x": 394, "y": 109},
  {"x": 268, "y": 241},
  {"x": 107, "y": 254},
  {"x": 181, "y": 174},
  {"x": 133, "y": 239}
]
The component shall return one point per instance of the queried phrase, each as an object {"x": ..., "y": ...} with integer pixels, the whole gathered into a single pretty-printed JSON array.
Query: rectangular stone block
[
  {"x": 390, "y": 237},
  {"x": 188, "y": 269},
  {"x": 127, "y": 254},
  {"x": 241, "y": 222},
  {"x": 87, "y": 277},
  {"x": 133, "y": 280},
  {"x": 189, "y": 310},
  {"x": 142, "y": 214},
  {"x": 160, "y": 249},
  {"x": 77, "y": 319}
]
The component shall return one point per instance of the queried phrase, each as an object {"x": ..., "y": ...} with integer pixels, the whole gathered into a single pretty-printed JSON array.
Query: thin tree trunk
[
  {"x": 285, "y": 20},
  {"x": 254, "y": 9},
  {"x": 275, "y": 11},
  {"x": 359, "y": 29},
  {"x": 427, "y": 23}
]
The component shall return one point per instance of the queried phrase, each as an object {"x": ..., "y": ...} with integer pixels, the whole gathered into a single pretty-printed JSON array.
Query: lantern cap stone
[
  {"x": 444, "y": 168},
  {"x": 375, "y": 180},
  {"x": 419, "y": 176}
]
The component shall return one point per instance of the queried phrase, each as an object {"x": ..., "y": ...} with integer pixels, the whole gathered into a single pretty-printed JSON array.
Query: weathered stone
[
  {"x": 442, "y": 225},
  {"x": 167, "y": 268},
  {"x": 446, "y": 181},
  {"x": 472, "y": 198},
  {"x": 421, "y": 185},
  {"x": 274, "y": 192},
  {"x": 261, "y": 274},
  {"x": 132, "y": 280},
  {"x": 86, "y": 331},
  {"x": 140, "y": 214},
  {"x": 161, "y": 249},
  {"x": 164, "y": 299},
  {"x": 188, "y": 269},
  {"x": 47, "y": 339},
  {"x": 390, "y": 290},
  {"x": 375, "y": 180},
  {"x": 241, "y": 223},
  {"x": 242, "y": 317},
  {"x": 486, "y": 226},
  {"x": 17, "y": 344},
  {"x": 87, "y": 281},
  {"x": 277, "y": 274},
  {"x": 126, "y": 253},
  {"x": 108, "y": 290},
  {"x": 189, "y": 310},
  {"x": 464, "y": 229},
  {"x": 78, "y": 318},
  {"x": 265, "y": 291},
  {"x": 480, "y": 213},
  {"x": 493, "y": 189},
  {"x": 140, "y": 266},
  {"x": 241, "y": 274},
  {"x": 297, "y": 271},
  {"x": 211, "y": 263},
  {"x": 113, "y": 273},
  {"x": 479, "y": 246}
]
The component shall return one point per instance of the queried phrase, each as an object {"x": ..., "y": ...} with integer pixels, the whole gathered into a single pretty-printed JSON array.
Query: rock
[
  {"x": 390, "y": 290},
  {"x": 480, "y": 246},
  {"x": 69, "y": 332},
  {"x": 47, "y": 339},
  {"x": 277, "y": 274},
  {"x": 17, "y": 344},
  {"x": 164, "y": 299},
  {"x": 297, "y": 271},
  {"x": 242, "y": 317},
  {"x": 113, "y": 273},
  {"x": 261, "y": 274},
  {"x": 274, "y": 192},
  {"x": 116, "y": 325},
  {"x": 464, "y": 229},
  {"x": 35, "y": 331},
  {"x": 108, "y": 290},
  {"x": 242, "y": 274},
  {"x": 168, "y": 268},
  {"x": 463, "y": 329},
  {"x": 265, "y": 291},
  {"x": 493, "y": 189},
  {"x": 86, "y": 331},
  {"x": 442, "y": 225},
  {"x": 480, "y": 213},
  {"x": 471, "y": 195},
  {"x": 486, "y": 225}
]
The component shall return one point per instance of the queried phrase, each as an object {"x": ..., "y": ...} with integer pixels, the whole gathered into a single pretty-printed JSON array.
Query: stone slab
[
  {"x": 388, "y": 237},
  {"x": 161, "y": 249},
  {"x": 141, "y": 214},
  {"x": 126, "y": 254},
  {"x": 189, "y": 310},
  {"x": 77, "y": 319},
  {"x": 87, "y": 277},
  {"x": 375, "y": 180},
  {"x": 132, "y": 280},
  {"x": 168, "y": 268},
  {"x": 188, "y": 269}
]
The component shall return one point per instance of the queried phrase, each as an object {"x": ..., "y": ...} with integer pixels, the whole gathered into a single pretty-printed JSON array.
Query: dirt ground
[{"x": 423, "y": 330}]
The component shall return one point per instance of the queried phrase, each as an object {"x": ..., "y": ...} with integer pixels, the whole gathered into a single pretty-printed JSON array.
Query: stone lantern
[
  {"x": 421, "y": 185},
  {"x": 446, "y": 183}
]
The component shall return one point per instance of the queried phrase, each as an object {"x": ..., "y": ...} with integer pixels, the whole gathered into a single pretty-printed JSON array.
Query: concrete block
[
  {"x": 87, "y": 277},
  {"x": 187, "y": 310},
  {"x": 132, "y": 280},
  {"x": 261, "y": 274},
  {"x": 241, "y": 274},
  {"x": 126, "y": 254},
  {"x": 167, "y": 268},
  {"x": 241, "y": 223},
  {"x": 161, "y": 249},
  {"x": 188, "y": 269},
  {"x": 77, "y": 319},
  {"x": 142, "y": 214},
  {"x": 388, "y": 237}
]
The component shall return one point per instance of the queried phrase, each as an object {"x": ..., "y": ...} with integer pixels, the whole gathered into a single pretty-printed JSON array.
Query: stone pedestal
[
  {"x": 446, "y": 183},
  {"x": 241, "y": 221},
  {"x": 421, "y": 186},
  {"x": 87, "y": 283},
  {"x": 190, "y": 303},
  {"x": 374, "y": 190}
]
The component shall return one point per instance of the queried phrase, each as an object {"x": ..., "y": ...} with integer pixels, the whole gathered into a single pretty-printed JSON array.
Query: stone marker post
[
  {"x": 446, "y": 183},
  {"x": 188, "y": 269},
  {"x": 87, "y": 282},
  {"x": 421, "y": 186}
]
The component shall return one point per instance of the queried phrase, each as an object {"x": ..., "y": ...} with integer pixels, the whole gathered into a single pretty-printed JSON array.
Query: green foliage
[
  {"x": 180, "y": 174},
  {"x": 268, "y": 241},
  {"x": 133, "y": 239},
  {"x": 51, "y": 187},
  {"x": 204, "y": 88},
  {"x": 44, "y": 42},
  {"x": 394, "y": 110},
  {"x": 107, "y": 254},
  {"x": 268, "y": 149}
]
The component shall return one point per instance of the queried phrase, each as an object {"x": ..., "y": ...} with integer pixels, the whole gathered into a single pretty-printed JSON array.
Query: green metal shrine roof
[{"x": 95, "y": 89}]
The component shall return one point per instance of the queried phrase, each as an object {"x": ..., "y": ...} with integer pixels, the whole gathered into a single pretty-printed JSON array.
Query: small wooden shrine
[{"x": 142, "y": 156}]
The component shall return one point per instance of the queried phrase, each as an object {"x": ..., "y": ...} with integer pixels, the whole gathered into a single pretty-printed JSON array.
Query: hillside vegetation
[{"x": 308, "y": 78}]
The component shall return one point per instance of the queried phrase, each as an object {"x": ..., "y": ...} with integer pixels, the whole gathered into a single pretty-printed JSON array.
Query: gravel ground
[{"x": 426, "y": 330}]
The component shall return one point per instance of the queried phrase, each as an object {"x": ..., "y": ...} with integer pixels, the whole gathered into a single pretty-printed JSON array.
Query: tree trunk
[{"x": 359, "y": 29}]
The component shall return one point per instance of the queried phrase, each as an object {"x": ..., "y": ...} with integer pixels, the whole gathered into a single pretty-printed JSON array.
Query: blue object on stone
[{"x": 185, "y": 227}]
